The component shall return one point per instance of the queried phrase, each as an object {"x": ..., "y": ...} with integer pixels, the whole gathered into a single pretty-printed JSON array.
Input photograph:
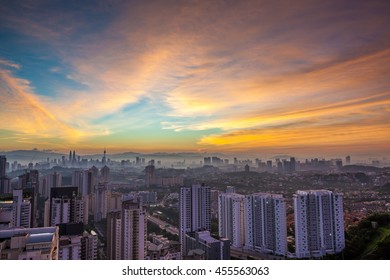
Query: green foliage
[{"x": 365, "y": 241}]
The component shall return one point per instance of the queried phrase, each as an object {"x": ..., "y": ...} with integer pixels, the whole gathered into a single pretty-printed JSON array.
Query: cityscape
[
  {"x": 194, "y": 130},
  {"x": 74, "y": 208}
]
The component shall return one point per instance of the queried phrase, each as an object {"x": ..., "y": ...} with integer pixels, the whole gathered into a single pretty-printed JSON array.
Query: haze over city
[
  {"x": 195, "y": 130},
  {"x": 199, "y": 76}
]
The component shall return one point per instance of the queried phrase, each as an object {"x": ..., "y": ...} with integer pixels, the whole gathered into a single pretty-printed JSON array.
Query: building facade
[
  {"x": 319, "y": 223},
  {"x": 265, "y": 220}
]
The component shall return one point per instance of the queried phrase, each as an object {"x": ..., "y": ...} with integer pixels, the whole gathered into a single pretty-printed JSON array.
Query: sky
[{"x": 266, "y": 77}]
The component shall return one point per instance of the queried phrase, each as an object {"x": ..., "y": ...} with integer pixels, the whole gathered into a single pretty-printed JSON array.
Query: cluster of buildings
[
  {"x": 254, "y": 222},
  {"x": 161, "y": 181},
  {"x": 258, "y": 222}
]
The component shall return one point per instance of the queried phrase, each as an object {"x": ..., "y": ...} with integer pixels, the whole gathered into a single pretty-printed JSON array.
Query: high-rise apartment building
[
  {"x": 15, "y": 211},
  {"x": 65, "y": 206},
  {"x": 126, "y": 231},
  {"x": 30, "y": 179},
  {"x": 265, "y": 220},
  {"x": 49, "y": 181},
  {"x": 114, "y": 234},
  {"x": 195, "y": 212},
  {"x": 319, "y": 223},
  {"x": 231, "y": 218},
  {"x": 75, "y": 243},
  {"x": 100, "y": 209},
  {"x": 133, "y": 222}
]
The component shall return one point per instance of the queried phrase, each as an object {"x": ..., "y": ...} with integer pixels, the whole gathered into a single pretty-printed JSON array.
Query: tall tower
[
  {"x": 133, "y": 222},
  {"x": 265, "y": 220},
  {"x": 104, "y": 157},
  {"x": 101, "y": 202},
  {"x": 104, "y": 174},
  {"x": 114, "y": 234},
  {"x": 195, "y": 212},
  {"x": 319, "y": 223},
  {"x": 4, "y": 181},
  {"x": 3, "y": 164},
  {"x": 231, "y": 218}
]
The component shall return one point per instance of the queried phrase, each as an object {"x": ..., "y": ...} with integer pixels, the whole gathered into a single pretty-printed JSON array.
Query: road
[{"x": 163, "y": 225}]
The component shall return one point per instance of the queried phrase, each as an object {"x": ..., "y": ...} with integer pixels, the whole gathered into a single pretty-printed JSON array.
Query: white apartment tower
[
  {"x": 319, "y": 223},
  {"x": 231, "y": 218},
  {"x": 195, "y": 212},
  {"x": 265, "y": 220},
  {"x": 65, "y": 206},
  {"x": 133, "y": 230},
  {"x": 15, "y": 211}
]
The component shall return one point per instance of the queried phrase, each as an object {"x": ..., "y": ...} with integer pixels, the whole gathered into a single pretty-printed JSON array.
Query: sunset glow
[{"x": 238, "y": 76}]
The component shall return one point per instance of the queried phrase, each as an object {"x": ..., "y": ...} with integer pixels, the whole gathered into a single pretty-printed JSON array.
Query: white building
[
  {"x": 29, "y": 244},
  {"x": 15, "y": 211},
  {"x": 65, "y": 206},
  {"x": 265, "y": 219},
  {"x": 133, "y": 222},
  {"x": 195, "y": 212},
  {"x": 319, "y": 223},
  {"x": 231, "y": 218}
]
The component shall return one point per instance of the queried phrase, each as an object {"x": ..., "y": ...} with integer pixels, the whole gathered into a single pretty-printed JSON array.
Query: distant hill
[
  {"x": 363, "y": 168},
  {"x": 27, "y": 156}
]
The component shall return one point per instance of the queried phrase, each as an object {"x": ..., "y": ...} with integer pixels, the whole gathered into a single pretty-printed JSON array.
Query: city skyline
[{"x": 196, "y": 76}]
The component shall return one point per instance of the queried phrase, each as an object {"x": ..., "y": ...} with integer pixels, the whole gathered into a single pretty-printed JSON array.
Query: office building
[
  {"x": 319, "y": 223},
  {"x": 265, "y": 220}
]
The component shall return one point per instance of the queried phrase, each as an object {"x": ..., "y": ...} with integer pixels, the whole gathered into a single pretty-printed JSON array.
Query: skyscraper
[
  {"x": 3, "y": 164},
  {"x": 126, "y": 231},
  {"x": 133, "y": 231},
  {"x": 114, "y": 235},
  {"x": 319, "y": 223},
  {"x": 195, "y": 212},
  {"x": 49, "y": 181},
  {"x": 265, "y": 220},
  {"x": 4, "y": 181},
  {"x": 231, "y": 218},
  {"x": 100, "y": 209},
  {"x": 104, "y": 174}
]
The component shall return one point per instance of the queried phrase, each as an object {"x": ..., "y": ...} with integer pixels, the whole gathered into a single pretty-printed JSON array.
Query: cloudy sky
[{"x": 264, "y": 76}]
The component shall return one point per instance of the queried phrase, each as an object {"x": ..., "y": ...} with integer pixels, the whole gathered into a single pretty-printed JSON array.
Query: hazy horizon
[{"x": 252, "y": 77}]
